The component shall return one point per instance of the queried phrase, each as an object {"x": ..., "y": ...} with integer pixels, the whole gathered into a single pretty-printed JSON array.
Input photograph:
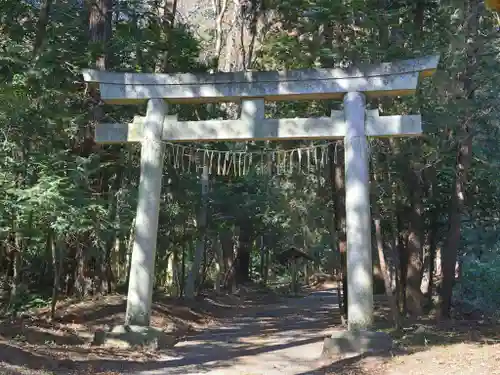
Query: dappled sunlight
[
  {"x": 286, "y": 336},
  {"x": 290, "y": 331},
  {"x": 269, "y": 148},
  {"x": 456, "y": 359}
]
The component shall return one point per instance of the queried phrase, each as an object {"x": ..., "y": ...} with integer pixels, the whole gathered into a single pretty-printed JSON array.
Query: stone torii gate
[{"x": 354, "y": 124}]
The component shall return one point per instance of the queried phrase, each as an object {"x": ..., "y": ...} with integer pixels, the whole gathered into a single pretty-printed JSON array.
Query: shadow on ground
[{"x": 256, "y": 329}]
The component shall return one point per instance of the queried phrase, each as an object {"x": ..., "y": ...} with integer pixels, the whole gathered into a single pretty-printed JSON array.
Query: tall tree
[
  {"x": 100, "y": 29},
  {"x": 472, "y": 16}
]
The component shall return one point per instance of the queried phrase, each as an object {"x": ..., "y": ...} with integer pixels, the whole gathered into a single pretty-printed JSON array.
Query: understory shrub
[{"x": 479, "y": 287}]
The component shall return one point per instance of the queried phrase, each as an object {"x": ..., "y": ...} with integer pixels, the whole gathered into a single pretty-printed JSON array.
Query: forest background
[{"x": 67, "y": 204}]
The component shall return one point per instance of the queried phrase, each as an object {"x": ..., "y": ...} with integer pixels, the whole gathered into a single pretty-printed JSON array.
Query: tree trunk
[
  {"x": 427, "y": 284},
  {"x": 182, "y": 282},
  {"x": 432, "y": 241},
  {"x": 295, "y": 279},
  {"x": 463, "y": 162},
  {"x": 41, "y": 26},
  {"x": 55, "y": 272},
  {"x": 112, "y": 237},
  {"x": 219, "y": 263},
  {"x": 402, "y": 234},
  {"x": 234, "y": 259},
  {"x": 428, "y": 279},
  {"x": 243, "y": 256},
  {"x": 172, "y": 274},
  {"x": 130, "y": 245},
  {"x": 262, "y": 252},
  {"x": 307, "y": 239},
  {"x": 194, "y": 273},
  {"x": 340, "y": 225},
  {"x": 219, "y": 8},
  {"x": 381, "y": 257},
  {"x": 241, "y": 36},
  {"x": 228, "y": 259},
  {"x": 414, "y": 265},
  {"x": 15, "y": 257},
  {"x": 80, "y": 279},
  {"x": 169, "y": 12},
  {"x": 100, "y": 17},
  {"x": 450, "y": 253}
]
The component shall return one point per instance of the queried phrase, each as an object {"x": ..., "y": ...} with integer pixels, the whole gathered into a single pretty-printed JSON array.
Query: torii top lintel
[{"x": 385, "y": 79}]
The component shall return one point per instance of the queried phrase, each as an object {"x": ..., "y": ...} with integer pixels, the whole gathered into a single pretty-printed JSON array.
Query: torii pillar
[{"x": 358, "y": 217}]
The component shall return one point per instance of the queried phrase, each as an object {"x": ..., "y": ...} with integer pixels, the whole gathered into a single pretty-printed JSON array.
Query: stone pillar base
[
  {"x": 130, "y": 336},
  {"x": 354, "y": 343}
]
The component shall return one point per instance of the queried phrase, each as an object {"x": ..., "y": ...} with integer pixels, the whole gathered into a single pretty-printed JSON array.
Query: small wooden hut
[{"x": 292, "y": 256}]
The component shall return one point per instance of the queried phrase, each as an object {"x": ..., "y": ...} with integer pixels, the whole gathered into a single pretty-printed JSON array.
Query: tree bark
[
  {"x": 428, "y": 281},
  {"x": 228, "y": 255},
  {"x": 100, "y": 17},
  {"x": 262, "y": 268},
  {"x": 243, "y": 255},
  {"x": 41, "y": 26},
  {"x": 219, "y": 8},
  {"x": 340, "y": 226},
  {"x": 109, "y": 277},
  {"x": 463, "y": 162},
  {"x": 55, "y": 272},
  {"x": 194, "y": 273},
  {"x": 172, "y": 274},
  {"x": 242, "y": 34},
  {"x": 182, "y": 282},
  {"x": 402, "y": 234},
  {"x": 80, "y": 280},
  {"x": 381, "y": 257},
  {"x": 432, "y": 238},
  {"x": 219, "y": 263},
  {"x": 414, "y": 265},
  {"x": 450, "y": 253},
  {"x": 169, "y": 12}
]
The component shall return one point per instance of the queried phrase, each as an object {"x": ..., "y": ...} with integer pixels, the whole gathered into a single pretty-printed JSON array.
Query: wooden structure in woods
[
  {"x": 252, "y": 89},
  {"x": 292, "y": 256}
]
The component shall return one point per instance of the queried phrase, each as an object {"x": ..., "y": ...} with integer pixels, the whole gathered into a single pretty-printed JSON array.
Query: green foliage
[
  {"x": 53, "y": 179},
  {"x": 25, "y": 301},
  {"x": 479, "y": 286},
  {"x": 47, "y": 178}
]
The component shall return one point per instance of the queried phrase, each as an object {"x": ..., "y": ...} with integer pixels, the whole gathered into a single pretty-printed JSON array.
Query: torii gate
[{"x": 252, "y": 89}]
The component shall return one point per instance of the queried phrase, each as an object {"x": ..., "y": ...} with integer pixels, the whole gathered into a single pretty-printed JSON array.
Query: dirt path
[
  {"x": 252, "y": 333},
  {"x": 256, "y": 334},
  {"x": 286, "y": 338}
]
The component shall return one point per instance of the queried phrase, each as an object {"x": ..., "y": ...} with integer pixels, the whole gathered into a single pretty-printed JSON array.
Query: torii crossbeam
[{"x": 354, "y": 124}]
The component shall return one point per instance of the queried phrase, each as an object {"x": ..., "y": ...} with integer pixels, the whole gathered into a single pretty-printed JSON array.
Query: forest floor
[{"x": 255, "y": 332}]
